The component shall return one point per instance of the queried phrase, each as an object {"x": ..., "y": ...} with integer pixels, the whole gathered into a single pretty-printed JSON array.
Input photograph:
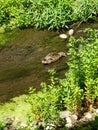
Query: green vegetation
[
  {"x": 45, "y": 13},
  {"x": 85, "y": 10},
  {"x": 17, "y": 110},
  {"x": 78, "y": 91},
  {"x": 46, "y": 104},
  {"x": 81, "y": 82}
]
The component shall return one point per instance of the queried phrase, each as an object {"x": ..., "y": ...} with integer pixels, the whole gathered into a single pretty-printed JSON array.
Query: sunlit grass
[{"x": 17, "y": 109}]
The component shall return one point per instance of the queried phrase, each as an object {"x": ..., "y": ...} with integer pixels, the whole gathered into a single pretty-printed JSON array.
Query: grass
[
  {"x": 48, "y": 14},
  {"x": 17, "y": 109}
]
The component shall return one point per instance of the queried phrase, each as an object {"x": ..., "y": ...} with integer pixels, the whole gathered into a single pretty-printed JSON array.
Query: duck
[{"x": 52, "y": 57}]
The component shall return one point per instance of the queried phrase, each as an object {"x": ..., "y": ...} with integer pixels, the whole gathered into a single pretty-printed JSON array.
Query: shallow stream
[{"x": 20, "y": 59}]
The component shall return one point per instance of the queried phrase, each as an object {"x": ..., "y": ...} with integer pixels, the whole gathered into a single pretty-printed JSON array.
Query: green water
[
  {"x": 20, "y": 60},
  {"x": 21, "y": 54}
]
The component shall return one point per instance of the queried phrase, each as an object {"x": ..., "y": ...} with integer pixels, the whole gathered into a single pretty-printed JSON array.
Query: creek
[{"x": 21, "y": 55}]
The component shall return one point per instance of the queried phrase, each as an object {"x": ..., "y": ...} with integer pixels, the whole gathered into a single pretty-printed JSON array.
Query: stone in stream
[
  {"x": 65, "y": 36},
  {"x": 70, "y": 32}
]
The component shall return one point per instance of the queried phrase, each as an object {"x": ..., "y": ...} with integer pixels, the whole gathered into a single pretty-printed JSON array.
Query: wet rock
[
  {"x": 68, "y": 125},
  {"x": 70, "y": 32},
  {"x": 83, "y": 120},
  {"x": 97, "y": 111},
  {"x": 50, "y": 127},
  {"x": 74, "y": 117},
  {"x": 63, "y": 36},
  {"x": 8, "y": 120},
  {"x": 89, "y": 115},
  {"x": 69, "y": 120},
  {"x": 65, "y": 114}
]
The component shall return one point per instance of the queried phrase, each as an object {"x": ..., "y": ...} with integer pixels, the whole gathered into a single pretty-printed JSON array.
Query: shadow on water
[{"x": 20, "y": 59}]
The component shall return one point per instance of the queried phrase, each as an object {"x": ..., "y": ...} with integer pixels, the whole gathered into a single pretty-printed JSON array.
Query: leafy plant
[
  {"x": 89, "y": 59},
  {"x": 74, "y": 79},
  {"x": 2, "y": 125},
  {"x": 79, "y": 88},
  {"x": 85, "y": 9},
  {"x": 44, "y": 104},
  {"x": 52, "y": 14},
  {"x": 45, "y": 14},
  {"x": 81, "y": 82}
]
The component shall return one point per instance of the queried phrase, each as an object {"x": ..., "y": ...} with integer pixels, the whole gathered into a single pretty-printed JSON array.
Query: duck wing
[{"x": 52, "y": 56}]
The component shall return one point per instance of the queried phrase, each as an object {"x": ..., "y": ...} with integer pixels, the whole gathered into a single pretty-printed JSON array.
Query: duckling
[{"x": 52, "y": 57}]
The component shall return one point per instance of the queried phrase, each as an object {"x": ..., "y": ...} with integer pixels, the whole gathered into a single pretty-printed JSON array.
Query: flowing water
[{"x": 20, "y": 59}]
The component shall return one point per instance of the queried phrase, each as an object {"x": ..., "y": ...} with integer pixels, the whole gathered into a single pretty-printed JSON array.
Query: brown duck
[{"x": 52, "y": 57}]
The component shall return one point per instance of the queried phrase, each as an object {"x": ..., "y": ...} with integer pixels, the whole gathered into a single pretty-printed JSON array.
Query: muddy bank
[{"x": 20, "y": 59}]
